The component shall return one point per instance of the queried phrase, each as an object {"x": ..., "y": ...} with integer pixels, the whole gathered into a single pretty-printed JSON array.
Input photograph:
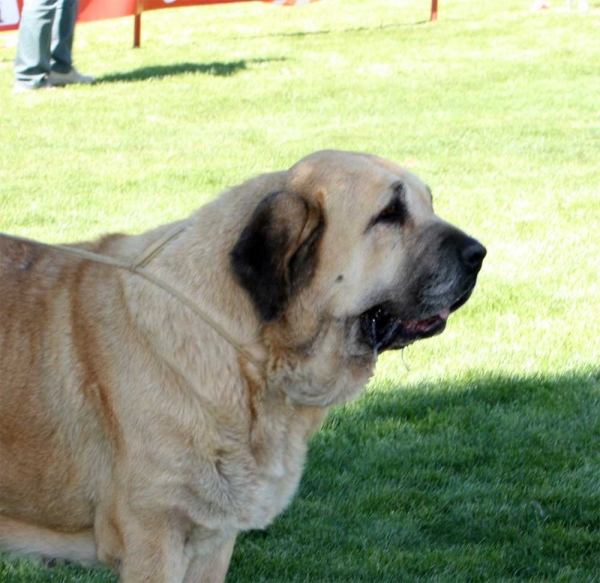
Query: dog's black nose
[{"x": 472, "y": 255}]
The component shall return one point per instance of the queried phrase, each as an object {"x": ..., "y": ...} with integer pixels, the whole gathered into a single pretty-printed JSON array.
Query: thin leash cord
[{"x": 135, "y": 267}]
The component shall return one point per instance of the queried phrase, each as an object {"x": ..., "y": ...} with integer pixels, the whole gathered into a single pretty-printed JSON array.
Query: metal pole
[{"x": 137, "y": 31}]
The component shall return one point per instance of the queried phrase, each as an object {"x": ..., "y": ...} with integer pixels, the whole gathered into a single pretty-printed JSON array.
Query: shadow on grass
[
  {"x": 484, "y": 479},
  {"x": 215, "y": 69},
  {"x": 396, "y": 25}
]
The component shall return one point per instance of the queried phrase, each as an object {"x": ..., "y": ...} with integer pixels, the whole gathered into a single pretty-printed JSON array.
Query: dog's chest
[
  {"x": 247, "y": 483},
  {"x": 272, "y": 491},
  {"x": 279, "y": 455},
  {"x": 280, "y": 465}
]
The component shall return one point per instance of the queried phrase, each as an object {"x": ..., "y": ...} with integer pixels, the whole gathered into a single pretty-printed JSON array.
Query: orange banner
[{"x": 10, "y": 10}]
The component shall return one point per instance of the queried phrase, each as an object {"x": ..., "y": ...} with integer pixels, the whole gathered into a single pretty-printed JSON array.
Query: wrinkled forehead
[
  {"x": 353, "y": 179},
  {"x": 413, "y": 184}
]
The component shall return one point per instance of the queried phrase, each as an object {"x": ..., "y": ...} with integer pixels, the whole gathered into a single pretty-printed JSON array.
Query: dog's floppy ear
[{"x": 276, "y": 253}]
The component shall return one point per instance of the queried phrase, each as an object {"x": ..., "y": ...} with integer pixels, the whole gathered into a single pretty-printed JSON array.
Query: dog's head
[{"x": 346, "y": 259}]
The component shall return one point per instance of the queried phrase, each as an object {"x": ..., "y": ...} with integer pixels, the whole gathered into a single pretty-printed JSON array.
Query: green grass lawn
[{"x": 481, "y": 462}]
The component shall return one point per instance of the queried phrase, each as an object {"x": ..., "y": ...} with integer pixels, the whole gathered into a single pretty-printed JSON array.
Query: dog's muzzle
[{"x": 391, "y": 325}]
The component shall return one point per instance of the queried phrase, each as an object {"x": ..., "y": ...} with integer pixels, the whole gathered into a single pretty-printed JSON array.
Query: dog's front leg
[
  {"x": 153, "y": 553},
  {"x": 211, "y": 558}
]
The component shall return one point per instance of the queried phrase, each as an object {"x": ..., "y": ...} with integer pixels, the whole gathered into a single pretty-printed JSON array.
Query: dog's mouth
[{"x": 383, "y": 328}]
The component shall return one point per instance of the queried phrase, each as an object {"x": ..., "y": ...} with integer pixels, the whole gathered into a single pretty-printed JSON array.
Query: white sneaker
[
  {"x": 73, "y": 77},
  {"x": 19, "y": 87}
]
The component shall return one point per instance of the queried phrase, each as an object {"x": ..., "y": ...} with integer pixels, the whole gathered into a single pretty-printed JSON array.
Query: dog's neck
[{"x": 197, "y": 263}]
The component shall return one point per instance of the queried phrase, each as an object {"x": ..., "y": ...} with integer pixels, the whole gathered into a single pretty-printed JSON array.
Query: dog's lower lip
[{"x": 383, "y": 330}]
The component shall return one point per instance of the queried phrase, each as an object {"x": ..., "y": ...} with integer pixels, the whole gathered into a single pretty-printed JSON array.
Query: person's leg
[
  {"x": 32, "y": 63},
  {"x": 62, "y": 70},
  {"x": 63, "y": 33}
]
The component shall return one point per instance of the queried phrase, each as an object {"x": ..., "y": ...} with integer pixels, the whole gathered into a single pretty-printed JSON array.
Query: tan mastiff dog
[{"x": 133, "y": 434}]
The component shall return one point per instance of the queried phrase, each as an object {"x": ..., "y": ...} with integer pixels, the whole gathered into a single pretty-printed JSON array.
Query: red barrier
[{"x": 10, "y": 10}]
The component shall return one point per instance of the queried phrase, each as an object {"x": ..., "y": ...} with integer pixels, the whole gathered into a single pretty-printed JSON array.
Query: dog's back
[{"x": 44, "y": 507}]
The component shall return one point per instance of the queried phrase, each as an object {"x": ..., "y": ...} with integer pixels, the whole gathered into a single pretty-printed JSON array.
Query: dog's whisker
[
  {"x": 386, "y": 338},
  {"x": 402, "y": 353},
  {"x": 375, "y": 344},
  {"x": 391, "y": 332}
]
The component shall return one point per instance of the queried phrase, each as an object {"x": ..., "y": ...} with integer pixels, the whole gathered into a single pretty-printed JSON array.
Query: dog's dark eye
[{"x": 395, "y": 212}]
